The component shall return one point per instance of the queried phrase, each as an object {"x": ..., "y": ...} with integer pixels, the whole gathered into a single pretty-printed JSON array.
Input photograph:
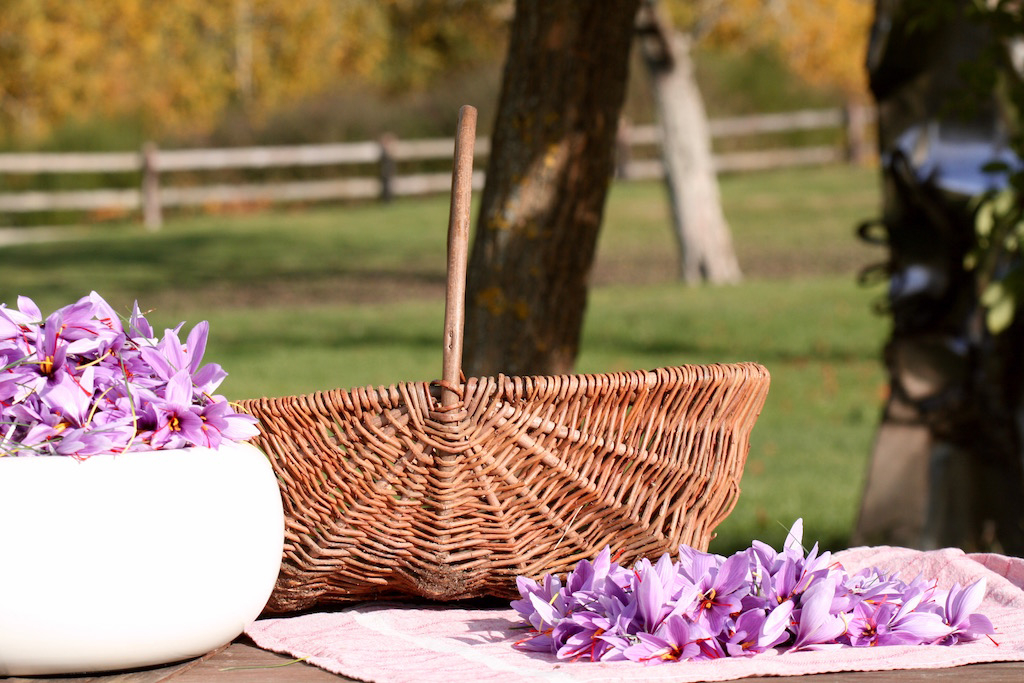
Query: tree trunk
[
  {"x": 702, "y": 234},
  {"x": 552, "y": 158}
]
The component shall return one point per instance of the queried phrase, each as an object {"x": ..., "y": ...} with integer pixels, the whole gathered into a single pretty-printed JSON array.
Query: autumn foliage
[
  {"x": 822, "y": 41},
  {"x": 177, "y": 66}
]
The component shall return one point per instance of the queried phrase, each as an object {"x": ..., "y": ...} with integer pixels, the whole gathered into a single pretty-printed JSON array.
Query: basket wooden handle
[{"x": 458, "y": 251}]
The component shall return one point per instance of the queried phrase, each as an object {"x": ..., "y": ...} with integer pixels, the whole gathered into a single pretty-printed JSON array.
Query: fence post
[
  {"x": 623, "y": 149},
  {"x": 855, "y": 119},
  {"x": 387, "y": 166},
  {"x": 152, "y": 215}
]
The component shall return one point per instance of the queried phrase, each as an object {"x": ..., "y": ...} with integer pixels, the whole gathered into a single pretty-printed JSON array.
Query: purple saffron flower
[
  {"x": 585, "y": 639},
  {"x": 138, "y": 326},
  {"x": 816, "y": 627},
  {"x": 46, "y": 364},
  {"x": 891, "y": 624},
  {"x": 221, "y": 422},
  {"x": 70, "y": 396},
  {"x": 76, "y": 383},
  {"x": 720, "y": 593},
  {"x": 869, "y": 622},
  {"x": 549, "y": 587},
  {"x": 178, "y": 420},
  {"x": 694, "y": 564},
  {"x": 671, "y": 642},
  {"x": 705, "y": 606},
  {"x": 28, "y": 431},
  {"x": 965, "y": 624},
  {"x": 796, "y": 572},
  {"x": 868, "y": 585},
  {"x": 170, "y": 356},
  {"x": 588, "y": 579},
  {"x": 81, "y": 443},
  {"x": 891, "y": 612},
  {"x": 28, "y": 313},
  {"x": 758, "y": 631},
  {"x": 543, "y": 606},
  {"x": 652, "y": 596},
  {"x": 91, "y": 327},
  {"x": 910, "y": 627}
]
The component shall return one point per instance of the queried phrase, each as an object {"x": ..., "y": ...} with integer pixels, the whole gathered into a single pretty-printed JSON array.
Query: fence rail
[{"x": 384, "y": 181}]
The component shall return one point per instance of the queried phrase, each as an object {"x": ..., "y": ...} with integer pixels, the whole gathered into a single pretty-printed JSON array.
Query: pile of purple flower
[
  {"x": 705, "y": 606},
  {"x": 81, "y": 382}
]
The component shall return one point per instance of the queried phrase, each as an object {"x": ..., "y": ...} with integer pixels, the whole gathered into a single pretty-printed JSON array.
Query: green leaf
[
  {"x": 994, "y": 293},
  {"x": 1003, "y": 202},
  {"x": 1000, "y": 301},
  {"x": 999, "y": 316},
  {"x": 984, "y": 219},
  {"x": 995, "y": 167}
]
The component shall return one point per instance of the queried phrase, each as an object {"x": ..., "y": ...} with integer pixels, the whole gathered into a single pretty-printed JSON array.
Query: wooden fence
[{"x": 384, "y": 157}]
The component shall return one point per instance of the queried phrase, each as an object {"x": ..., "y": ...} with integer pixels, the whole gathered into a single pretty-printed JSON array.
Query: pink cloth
[{"x": 394, "y": 643}]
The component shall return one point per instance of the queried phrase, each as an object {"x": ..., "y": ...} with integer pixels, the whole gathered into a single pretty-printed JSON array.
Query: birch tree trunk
[
  {"x": 705, "y": 245},
  {"x": 552, "y": 158}
]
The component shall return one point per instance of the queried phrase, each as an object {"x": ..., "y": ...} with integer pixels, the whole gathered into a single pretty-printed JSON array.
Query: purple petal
[
  {"x": 773, "y": 630},
  {"x": 794, "y": 539},
  {"x": 196, "y": 345},
  {"x": 732, "y": 574},
  {"x": 961, "y": 603}
]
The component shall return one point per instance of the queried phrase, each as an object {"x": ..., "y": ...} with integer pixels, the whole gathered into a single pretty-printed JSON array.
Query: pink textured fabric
[{"x": 394, "y": 643}]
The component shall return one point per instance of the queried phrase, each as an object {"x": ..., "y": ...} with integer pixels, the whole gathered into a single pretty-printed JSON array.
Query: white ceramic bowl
[{"x": 133, "y": 560}]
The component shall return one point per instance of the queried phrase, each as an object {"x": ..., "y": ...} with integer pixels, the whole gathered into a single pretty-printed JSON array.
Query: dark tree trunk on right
[{"x": 947, "y": 464}]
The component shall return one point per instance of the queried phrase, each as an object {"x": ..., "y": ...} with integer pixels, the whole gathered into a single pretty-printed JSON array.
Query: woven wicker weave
[
  {"x": 386, "y": 493},
  {"x": 449, "y": 490}
]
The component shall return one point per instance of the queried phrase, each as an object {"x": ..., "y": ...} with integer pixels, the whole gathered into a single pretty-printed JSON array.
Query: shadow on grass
[
  {"x": 337, "y": 339},
  {"x": 754, "y": 347},
  {"x": 261, "y": 269}
]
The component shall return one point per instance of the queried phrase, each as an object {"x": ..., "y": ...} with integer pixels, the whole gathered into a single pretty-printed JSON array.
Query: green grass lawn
[{"x": 300, "y": 300}]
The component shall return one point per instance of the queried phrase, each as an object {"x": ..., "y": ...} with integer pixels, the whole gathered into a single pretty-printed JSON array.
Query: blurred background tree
[
  {"x": 226, "y": 72},
  {"x": 706, "y": 252},
  {"x": 822, "y": 41}
]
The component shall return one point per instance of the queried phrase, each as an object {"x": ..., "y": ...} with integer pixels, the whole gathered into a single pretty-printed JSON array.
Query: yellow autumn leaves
[
  {"x": 178, "y": 65},
  {"x": 822, "y": 41}
]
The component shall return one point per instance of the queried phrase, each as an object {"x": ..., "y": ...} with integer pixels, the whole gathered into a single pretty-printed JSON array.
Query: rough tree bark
[
  {"x": 702, "y": 234},
  {"x": 552, "y": 158}
]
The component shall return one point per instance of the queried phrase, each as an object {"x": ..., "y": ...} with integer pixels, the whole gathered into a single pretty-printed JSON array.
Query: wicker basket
[{"x": 449, "y": 490}]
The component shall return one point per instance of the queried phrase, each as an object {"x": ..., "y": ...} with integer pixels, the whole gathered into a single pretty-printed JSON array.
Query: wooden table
[{"x": 242, "y": 662}]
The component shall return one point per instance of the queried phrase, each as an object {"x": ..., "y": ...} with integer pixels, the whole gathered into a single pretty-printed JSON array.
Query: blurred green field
[{"x": 323, "y": 297}]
